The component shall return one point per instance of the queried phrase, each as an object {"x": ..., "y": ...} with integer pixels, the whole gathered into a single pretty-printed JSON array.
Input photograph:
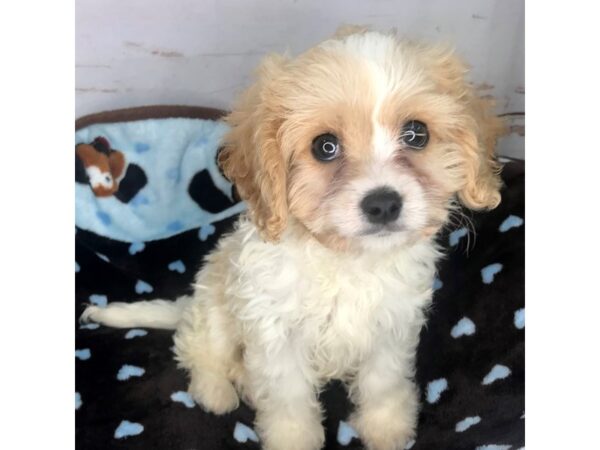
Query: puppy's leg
[
  {"x": 288, "y": 414},
  {"x": 206, "y": 345},
  {"x": 386, "y": 399}
]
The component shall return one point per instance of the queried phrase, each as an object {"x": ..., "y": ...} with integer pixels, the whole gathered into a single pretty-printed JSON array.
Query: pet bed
[{"x": 141, "y": 233}]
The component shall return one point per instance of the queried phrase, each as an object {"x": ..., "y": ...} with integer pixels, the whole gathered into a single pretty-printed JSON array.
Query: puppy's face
[{"x": 365, "y": 140}]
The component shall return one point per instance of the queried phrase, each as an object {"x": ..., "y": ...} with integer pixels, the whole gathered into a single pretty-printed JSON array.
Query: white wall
[{"x": 202, "y": 52}]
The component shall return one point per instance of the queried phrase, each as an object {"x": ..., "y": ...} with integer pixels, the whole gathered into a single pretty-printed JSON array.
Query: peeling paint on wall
[
  {"x": 484, "y": 87},
  {"x": 156, "y": 52},
  {"x": 92, "y": 66},
  {"x": 517, "y": 129},
  {"x": 103, "y": 91}
]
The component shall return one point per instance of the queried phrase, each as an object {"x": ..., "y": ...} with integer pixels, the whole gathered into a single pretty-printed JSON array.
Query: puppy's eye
[
  {"x": 414, "y": 134},
  {"x": 326, "y": 147}
]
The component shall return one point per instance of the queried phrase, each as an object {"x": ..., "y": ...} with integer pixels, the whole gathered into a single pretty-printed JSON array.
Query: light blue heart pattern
[
  {"x": 78, "y": 401},
  {"x": 489, "y": 272},
  {"x": 464, "y": 327},
  {"x": 498, "y": 372},
  {"x": 127, "y": 429},
  {"x": 83, "y": 354},
  {"x": 510, "y": 222},
  {"x": 127, "y": 371},
  {"x": 345, "y": 433},
  {"x": 242, "y": 433},
  {"x": 520, "y": 318},
  {"x": 135, "y": 332},
  {"x": 183, "y": 397},
  {"x": 99, "y": 300},
  {"x": 206, "y": 231},
  {"x": 455, "y": 237},
  {"x": 177, "y": 266},
  {"x": 467, "y": 423},
  {"x": 141, "y": 287},
  {"x": 136, "y": 247},
  {"x": 435, "y": 389}
]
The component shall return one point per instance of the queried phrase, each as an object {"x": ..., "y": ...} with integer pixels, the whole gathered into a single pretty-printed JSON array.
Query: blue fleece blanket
[{"x": 151, "y": 179}]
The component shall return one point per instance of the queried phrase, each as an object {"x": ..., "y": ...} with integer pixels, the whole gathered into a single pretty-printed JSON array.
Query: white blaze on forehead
[
  {"x": 379, "y": 53},
  {"x": 383, "y": 140},
  {"x": 391, "y": 66},
  {"x": 371, "y": 46}
]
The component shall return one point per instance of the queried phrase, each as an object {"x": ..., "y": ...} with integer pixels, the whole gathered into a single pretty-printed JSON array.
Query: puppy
[{"x": 350, "y": 157}]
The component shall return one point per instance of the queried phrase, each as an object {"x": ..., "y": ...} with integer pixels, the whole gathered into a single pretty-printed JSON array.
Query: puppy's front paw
[
  {"x": 285, "y": 433},
  {"x": 216, "y": 395},
  {"x": 387, "y": 427}
]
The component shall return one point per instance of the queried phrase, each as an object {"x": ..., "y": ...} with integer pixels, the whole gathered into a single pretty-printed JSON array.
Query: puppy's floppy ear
[
  {"x": 252, "y": 158},
  {"x": 477, "y": 133},
  {"x": 483, "y": 182}
]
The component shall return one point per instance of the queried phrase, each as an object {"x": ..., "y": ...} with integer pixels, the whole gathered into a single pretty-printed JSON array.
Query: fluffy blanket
[{"x": 155, "y": 203}]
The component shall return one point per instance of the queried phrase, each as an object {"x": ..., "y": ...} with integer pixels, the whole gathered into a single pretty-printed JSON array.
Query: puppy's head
[{"x": 365, "y": 140}]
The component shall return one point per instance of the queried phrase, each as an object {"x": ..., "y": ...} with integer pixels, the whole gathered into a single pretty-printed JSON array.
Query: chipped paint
[
  {"x": 520, "y": 90},
  {"x": 167, "y": 54},
  {"x": 92, "y": 66},
  {"x": 478, "y": 17},
  {"x": 226, "y": 54},
  {"x": 484, "y": 87},
  {"x": 103, "y": 91},
  {"x": 164, "y": 53},
  {"x": 517, "y": 129}
]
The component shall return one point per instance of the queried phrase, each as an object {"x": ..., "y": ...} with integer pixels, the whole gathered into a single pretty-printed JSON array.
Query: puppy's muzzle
[{"x": 381, "y": 206}]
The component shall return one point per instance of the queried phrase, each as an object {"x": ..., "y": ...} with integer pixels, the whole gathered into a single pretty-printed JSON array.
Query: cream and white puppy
[{"x": 350, "y": 158}]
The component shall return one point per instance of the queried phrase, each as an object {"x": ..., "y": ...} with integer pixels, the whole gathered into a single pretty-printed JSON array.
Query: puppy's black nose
[{"x": 381, "y": 205}]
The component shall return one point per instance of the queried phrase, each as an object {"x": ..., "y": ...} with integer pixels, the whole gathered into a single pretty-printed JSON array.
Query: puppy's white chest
[
  {"x": 333, "y": 308},
  {"x": 349, "y": 307}
]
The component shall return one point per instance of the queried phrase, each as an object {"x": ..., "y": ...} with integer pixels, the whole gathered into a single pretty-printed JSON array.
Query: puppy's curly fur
[{"x": 304, "y": 290}]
